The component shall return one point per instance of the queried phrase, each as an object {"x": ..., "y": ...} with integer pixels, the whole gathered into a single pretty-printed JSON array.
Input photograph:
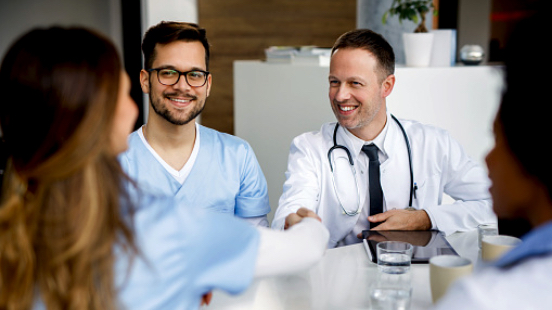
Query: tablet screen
[{"x": 426, "y": 243}]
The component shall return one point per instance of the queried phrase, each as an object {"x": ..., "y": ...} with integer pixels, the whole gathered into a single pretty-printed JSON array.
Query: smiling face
[
  {"x": 358, "y": 91},
  {"x": 178, "y": 104}
]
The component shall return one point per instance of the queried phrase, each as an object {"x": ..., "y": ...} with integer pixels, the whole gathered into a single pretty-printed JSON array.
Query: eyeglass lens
[{"x": 171, "y": 77}]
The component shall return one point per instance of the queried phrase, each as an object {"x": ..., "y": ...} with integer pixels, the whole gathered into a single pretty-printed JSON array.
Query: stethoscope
[{"x": 413, "y": 186}]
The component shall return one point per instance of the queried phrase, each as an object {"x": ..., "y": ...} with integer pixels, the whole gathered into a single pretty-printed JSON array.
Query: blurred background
[{"x": 242, "y": 29}]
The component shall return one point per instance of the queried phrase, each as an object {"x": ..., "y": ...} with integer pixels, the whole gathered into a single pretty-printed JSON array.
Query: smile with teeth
[
  {"x": 347, "y": 108},
  {"x": 180, "y": 100}
]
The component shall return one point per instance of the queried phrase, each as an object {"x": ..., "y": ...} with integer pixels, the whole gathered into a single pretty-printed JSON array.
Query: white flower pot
[{"x": 417, "y": 49}]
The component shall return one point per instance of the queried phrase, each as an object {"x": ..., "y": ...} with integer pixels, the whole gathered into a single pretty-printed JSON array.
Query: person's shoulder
[
  {"x": 134, "y": 142},
  {"x": 134, "y": 136},
  {"x": 325, "y": 131},
  {"x": 135, "y": 146},
  {"x": 222, "y": 137},
  {"x": 417, "y": 127}
]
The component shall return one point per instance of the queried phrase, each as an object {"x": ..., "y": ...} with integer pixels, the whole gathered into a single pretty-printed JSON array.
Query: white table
[{"x": 339, "y": 281}]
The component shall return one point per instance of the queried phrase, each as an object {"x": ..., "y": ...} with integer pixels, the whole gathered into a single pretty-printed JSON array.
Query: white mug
[
  {"x": 444, "y": 270},
  {"x": 492, "y": 247}
]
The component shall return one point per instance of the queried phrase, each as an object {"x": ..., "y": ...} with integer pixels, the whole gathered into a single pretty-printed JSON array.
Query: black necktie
[{"x": 376, "y": 194}]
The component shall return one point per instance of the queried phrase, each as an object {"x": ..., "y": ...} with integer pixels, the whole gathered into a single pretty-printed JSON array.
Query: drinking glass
[
  {"x": 394, "y": 257},
  {"x": 489, "y": 229},
  {"x": 391, "y": 292}
]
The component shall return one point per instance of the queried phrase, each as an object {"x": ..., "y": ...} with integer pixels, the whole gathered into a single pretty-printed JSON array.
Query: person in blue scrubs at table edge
[
  {"x": 520, "y": 169},
  {"x": 172, "y": 154},
  {"x": 71, "y": 236}
]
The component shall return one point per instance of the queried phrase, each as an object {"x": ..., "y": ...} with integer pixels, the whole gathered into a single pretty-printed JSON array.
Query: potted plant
[{"x": 417, "y": 45}]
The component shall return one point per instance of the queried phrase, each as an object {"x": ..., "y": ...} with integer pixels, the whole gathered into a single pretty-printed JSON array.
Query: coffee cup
[
  {"x": 492, "y": 247},
  {"x": 444, "y": 270}
]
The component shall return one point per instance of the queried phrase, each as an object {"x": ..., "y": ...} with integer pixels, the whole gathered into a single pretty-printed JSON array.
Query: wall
[
  {"x": 473, "y": 24},
  {"x": 155, "y": 11},
  {"x": 369, "y": 14},
  {"x": 17, "y": 17},
  {"x": 242, "y": 29}
]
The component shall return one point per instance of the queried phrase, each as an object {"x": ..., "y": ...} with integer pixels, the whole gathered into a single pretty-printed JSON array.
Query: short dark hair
[
  {"x": 372, "y": 42},
  {"x": 168, "y": 32}
]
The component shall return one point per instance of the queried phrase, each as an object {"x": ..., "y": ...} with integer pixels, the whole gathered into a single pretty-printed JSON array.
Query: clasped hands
[{"x": 298, "y": 216}]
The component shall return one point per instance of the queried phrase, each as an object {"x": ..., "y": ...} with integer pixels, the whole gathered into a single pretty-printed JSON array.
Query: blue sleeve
[
  {"x": 252, "y": 199},
  {"x": 224, "y": 250},
  {"x": 184, "y": 253}
]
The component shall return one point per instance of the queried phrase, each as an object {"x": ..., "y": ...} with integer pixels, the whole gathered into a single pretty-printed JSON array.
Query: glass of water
[
  {"x": 394, "y": 257},
  {"x": 391, "y": 292},
  {"x": 490, "y": 229}
]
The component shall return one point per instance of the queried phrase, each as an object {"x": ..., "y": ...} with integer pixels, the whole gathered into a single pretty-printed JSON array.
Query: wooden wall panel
[{"x": 242, "y": 29}]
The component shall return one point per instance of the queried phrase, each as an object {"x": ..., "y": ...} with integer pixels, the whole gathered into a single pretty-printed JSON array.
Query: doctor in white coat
[{"x": 418, "y": 163}]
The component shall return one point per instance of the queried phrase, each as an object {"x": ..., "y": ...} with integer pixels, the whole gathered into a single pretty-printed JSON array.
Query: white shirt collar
[
  {"x": 356, "y": 144},
  {"x": 182, "y": 174}
]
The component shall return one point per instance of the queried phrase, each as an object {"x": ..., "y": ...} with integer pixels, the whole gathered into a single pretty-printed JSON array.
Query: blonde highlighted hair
[{"x": 62, "y": 209}]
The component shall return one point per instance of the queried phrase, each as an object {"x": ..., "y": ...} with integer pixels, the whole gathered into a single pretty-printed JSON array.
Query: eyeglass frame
[{"x": 179, "y": 75}]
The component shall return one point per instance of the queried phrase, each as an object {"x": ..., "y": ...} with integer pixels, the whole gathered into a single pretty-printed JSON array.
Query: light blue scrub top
[
  {"x": 225, "y": 178},
  {"x": 185, "y": 254}
]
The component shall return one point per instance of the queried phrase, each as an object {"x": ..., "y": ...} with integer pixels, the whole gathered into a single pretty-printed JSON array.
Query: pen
[{"x": 367, "y": 249}]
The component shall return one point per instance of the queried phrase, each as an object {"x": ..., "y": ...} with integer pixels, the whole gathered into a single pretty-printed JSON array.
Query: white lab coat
[{"x": 440, "y": 166}]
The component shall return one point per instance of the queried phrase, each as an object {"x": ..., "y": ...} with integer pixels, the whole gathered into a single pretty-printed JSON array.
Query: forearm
[
  {"x": 293, "y": 250},
  {"x": 461, "y": 215}
]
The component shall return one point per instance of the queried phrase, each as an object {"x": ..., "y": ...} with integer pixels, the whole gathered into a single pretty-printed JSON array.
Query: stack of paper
[
  {"x": 312, "y": 55},
  {"x": 298, "y": 55}
]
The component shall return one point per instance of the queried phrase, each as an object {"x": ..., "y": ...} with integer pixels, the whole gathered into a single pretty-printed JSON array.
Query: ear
[
  {"x": 387, "y": 85},
  {"x": 144, "y": 81},
  {"x": 209, "y": 81}
]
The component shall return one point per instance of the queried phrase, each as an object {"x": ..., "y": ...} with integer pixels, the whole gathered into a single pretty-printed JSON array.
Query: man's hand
[
  {"x": 401, "y": 220},
  {"x": 419, "y": 238},
  {"x": 297, "y": 217}
]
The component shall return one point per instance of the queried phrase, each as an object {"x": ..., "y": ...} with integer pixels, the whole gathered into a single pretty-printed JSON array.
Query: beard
[
  {"x": 173, "y": 117},
  {"x": 365, "y": 114}
]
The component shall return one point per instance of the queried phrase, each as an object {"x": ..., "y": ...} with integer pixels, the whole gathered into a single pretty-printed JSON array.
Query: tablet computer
[{"x": 426, "y": 243}]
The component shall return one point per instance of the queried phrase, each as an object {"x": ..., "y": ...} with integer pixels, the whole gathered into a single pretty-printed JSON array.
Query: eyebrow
[
  {"x": 174, "y": 68},
  {"x": 354, "y": 78}
]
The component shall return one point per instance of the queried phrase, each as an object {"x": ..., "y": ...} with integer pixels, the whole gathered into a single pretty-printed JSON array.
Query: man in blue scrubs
[{"x": 172, "y": 154}]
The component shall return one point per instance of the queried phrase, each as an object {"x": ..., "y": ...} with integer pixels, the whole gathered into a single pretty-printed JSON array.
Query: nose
[
  {"x": 182, "y": 84},
  {"x": 341, "y": 93}
]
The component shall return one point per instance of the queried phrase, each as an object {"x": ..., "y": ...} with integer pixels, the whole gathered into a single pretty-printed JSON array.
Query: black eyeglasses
[{"x": 169, "y": 77}]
